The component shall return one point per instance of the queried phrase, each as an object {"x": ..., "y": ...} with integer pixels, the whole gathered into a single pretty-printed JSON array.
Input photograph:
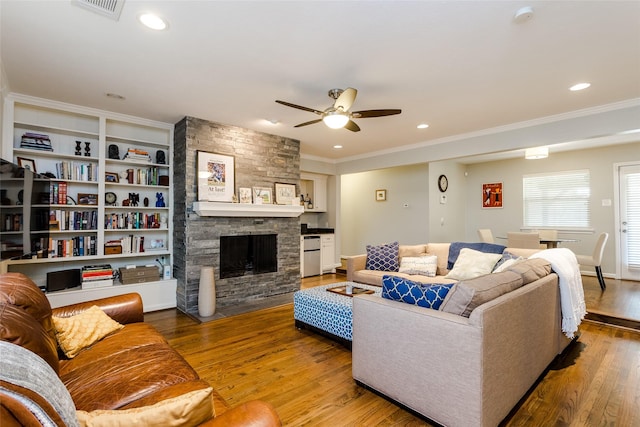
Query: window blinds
[{"x": 558, "y": 200}]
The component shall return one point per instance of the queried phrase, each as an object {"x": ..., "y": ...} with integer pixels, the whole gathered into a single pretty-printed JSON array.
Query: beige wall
[
  {"x": 599, "y": 161},
  {"x": 365, "y": 221}
]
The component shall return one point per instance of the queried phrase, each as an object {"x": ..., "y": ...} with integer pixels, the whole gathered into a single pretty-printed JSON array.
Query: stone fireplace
[{"x": 260, "y": 160}]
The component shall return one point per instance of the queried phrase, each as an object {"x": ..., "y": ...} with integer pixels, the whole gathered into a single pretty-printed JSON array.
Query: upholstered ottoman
[{"x": 327, "y": 312}]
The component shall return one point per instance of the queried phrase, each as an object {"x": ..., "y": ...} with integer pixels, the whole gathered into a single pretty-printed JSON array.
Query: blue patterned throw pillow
[
  {"x": 424, "y": 295},
  {"x": 383, "y": 257}
]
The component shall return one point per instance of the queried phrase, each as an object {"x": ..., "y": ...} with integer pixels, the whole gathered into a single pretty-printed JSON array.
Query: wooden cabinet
[
  {"x": 112, "y": 188},
  {"x": 328, "y": 253},
  {"x": 314, "y": 187}
]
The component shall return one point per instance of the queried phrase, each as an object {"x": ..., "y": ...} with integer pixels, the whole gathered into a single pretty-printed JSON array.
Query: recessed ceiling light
[
  {"x": 273, "y": 121},
  {"x": 422, "y": 126},
  {"x": 153, "y": 21},
  {"x": 115, "y": 96},
  {"x": 337, "y": 147},
  {"x": 579, "y": 86}
]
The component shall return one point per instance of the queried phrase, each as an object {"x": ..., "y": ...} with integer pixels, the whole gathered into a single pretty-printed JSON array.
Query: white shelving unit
[{"x": 148, "y": 223}]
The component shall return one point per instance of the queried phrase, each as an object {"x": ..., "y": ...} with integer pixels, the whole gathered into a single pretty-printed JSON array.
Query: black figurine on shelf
[
  {"x": 78, "y": 148},
  {"x": 134, "y": 199},
  {"x": 87, "y": 149},
  {"x": 160, "y": 158}
]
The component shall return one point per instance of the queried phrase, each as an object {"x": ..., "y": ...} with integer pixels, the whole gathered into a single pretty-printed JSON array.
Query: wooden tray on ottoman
[{"x": 342, "y": 290}]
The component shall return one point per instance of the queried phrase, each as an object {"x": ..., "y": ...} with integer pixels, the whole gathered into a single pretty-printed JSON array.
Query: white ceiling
[{"x": 459, "y": 66}]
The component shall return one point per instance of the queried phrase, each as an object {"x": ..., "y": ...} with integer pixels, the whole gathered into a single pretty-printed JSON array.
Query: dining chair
[
  {"x": 548, "y": 235},
  {"x": 517, "y": 239},
  {"x": 485, "y": 234},
  {"x": 595, "y": 260}
]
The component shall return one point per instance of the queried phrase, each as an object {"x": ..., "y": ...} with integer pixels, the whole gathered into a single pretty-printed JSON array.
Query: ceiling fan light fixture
[
  {"x": 335, "y": 119},
  {"x": 536, "y": 153}
]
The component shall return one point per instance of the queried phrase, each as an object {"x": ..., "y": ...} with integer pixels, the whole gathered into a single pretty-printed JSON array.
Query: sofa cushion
[
  {"x": 20, "y": 328},
  {"x": 471, "y": 263},
  {"x": 383, "y": 257},
  {"x": 423, "y": 265},
  {"x": 425, "y": 295},
  {"x": 412, "y": 250},
  {"x": 456, "y": 247},
  {"x": 466, "y": 295},
  {"x": 531, "y": 269},
  {"x": 190, "y": 409},
  {"x": 441, "y": 250},
  {"x": 372, "y": 277},
  {"x": 75, "y": 333}
]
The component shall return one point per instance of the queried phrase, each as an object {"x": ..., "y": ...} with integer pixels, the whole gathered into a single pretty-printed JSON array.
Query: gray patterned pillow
[{"x": 383, "y": 257}]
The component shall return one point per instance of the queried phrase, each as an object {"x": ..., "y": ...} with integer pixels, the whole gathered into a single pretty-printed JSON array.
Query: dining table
[{"x": 550, "y": 242}]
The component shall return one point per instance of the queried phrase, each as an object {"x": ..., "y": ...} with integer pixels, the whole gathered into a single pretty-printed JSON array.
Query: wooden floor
[{"x": 261, "y": 355}]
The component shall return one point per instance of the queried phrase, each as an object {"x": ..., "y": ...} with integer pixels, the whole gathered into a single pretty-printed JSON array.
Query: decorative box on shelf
[{"x": 139, "y": 274}]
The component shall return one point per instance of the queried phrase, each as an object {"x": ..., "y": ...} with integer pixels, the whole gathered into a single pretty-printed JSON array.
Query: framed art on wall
[
  {"x": 285, "y": 193},
  {"x": 215, "y": 176},
  {"x": 492, "y": 195}
]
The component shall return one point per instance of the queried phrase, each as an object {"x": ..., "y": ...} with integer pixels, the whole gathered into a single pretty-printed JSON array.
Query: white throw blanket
[{"x": 565, "y": 265}]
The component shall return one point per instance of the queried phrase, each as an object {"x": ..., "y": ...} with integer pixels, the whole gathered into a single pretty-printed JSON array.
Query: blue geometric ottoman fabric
[
  {"x": 424, "y": 295},
  {"x": 326, "y": 310}
]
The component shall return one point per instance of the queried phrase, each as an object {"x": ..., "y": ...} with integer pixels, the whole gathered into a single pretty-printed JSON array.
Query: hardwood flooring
[{"x": 307, "y": 377}]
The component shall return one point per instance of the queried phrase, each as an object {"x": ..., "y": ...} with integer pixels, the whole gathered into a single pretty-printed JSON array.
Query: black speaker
[{"x": 63, "y": 279}]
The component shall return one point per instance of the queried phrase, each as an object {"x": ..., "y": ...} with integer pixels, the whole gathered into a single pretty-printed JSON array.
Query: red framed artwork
[{"x": 492, "y": 195}]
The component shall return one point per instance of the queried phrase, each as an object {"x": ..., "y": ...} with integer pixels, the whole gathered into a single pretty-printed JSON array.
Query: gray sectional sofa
[{"x": 469, "y": 363}]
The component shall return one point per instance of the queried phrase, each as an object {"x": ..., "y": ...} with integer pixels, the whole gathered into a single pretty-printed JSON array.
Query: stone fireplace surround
[{"x": 260, "y": 160}]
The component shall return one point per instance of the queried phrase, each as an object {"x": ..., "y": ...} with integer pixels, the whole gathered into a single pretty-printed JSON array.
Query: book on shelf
[{"x": 97, "y": 283}]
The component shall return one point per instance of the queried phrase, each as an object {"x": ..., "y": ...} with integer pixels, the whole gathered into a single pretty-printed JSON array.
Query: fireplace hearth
[{"x": 248, "y": 254}]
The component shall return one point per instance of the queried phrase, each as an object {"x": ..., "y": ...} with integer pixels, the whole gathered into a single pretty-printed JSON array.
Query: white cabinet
[
  {"x": 314, "y": 187},
  {"x": 328, "y": 253},
  {"x": 113, "y": 172}
]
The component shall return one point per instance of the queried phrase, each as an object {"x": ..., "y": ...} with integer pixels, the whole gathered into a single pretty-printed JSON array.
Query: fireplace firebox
[{"x": 248, "y": 254}]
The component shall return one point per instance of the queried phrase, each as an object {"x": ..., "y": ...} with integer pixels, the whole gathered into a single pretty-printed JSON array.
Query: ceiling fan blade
[
  {"x": 374, "y": 113},
  {"x": 299, "y": 107},
  {"x": 346, "y": 99},
  {"x": 352, "y": 126},
  {"x": 308, "y": 123}
]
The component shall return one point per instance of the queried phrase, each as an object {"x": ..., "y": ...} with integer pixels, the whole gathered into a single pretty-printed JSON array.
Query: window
[{"x": 558, "y": 200}]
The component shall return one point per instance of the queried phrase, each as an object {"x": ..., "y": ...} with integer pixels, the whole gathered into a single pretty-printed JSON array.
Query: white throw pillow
[
  {"x": 471, "y": 264},
  {"x": 423, "y": 265}
]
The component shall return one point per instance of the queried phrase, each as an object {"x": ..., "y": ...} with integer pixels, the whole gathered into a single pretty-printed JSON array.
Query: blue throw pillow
[
  {"x": 383, "y": 257},
  {"x": 424, "y": 295}
]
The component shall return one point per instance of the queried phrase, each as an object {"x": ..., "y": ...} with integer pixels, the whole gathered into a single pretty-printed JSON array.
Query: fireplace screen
[{"x": 248, "y": 254}]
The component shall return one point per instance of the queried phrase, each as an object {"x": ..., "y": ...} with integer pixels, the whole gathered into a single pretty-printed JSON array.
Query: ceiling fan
[{"x": 338, "y": 115}]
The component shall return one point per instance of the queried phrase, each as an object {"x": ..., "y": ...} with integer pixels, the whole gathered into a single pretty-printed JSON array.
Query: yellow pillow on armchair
[{"x": 78, "y": 332}]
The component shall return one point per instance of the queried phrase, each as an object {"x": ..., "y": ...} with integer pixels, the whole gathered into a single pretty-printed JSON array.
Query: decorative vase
[{"x": 206, "y": 293}]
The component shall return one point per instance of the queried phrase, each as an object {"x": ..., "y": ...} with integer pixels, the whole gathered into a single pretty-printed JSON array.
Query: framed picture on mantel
[{"x": 215, "y": 177}]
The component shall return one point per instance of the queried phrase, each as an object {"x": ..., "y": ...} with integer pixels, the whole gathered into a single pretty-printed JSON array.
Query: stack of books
[
  {"x": 36, "y": 141},
  {"x": 97, "y": 276},
  {"x": 137, "y": 154}
]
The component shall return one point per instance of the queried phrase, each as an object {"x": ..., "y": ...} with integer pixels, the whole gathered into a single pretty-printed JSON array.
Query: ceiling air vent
[{"x": 108, "y": 8}]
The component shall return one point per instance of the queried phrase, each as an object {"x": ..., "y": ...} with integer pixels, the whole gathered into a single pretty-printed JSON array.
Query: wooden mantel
[{"x": 246, "y": 210}]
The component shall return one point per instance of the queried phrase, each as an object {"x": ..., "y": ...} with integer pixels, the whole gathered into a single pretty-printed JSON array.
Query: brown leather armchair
[{"x": 131, "y": 368}]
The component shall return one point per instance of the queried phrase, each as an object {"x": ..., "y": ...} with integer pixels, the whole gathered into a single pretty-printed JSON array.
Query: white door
[{"x": 629, "y": 182}]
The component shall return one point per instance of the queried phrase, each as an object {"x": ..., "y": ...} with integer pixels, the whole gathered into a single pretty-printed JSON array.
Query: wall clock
[{"x": 443, "y": 183}]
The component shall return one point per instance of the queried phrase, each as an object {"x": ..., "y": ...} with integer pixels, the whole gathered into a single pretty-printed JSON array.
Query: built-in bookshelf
[{"x": 110, "y": 191}]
